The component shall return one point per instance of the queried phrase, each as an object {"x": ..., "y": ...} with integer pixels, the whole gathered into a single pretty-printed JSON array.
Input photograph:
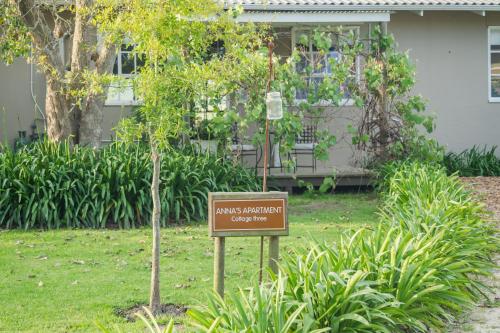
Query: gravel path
[{"x": 486, "y": 317}]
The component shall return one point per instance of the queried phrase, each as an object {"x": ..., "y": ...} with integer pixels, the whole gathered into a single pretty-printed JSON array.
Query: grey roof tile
[{"x": 290, "y": 4}]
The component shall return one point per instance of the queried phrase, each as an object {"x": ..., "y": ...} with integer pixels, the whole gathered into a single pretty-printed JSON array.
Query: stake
[
  {"x": 261, "y": 261},
  {"x": 270, "y": 47}
]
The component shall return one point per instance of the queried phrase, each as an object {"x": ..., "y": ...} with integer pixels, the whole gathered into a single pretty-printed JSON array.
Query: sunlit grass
[{"x": 66, "y": 280}]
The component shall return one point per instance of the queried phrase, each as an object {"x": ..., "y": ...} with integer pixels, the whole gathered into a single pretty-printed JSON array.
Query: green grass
[{"x": 60, "y": 281}]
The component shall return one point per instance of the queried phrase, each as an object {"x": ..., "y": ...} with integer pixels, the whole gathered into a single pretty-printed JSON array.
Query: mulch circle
[
  {"x": 170, "y": 309},
  {"x": 488, "y": 189}
]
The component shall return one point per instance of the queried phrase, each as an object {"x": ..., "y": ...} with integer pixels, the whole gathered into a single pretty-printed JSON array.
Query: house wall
[
  {"x": 450, "y": 50},
  {"x": 18, "y": 110},
  {"x": 17, "y": 107}
]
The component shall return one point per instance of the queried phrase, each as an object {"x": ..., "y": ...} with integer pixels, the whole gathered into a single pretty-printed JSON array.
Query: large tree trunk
[
  {"x": 92, "y": 115},
  {"x": 88, "y": 54},
  {"x": 90, "y": 126},
  {"x": 68, "y": 118},
  {"x": 59, "y": 124},
  {"x": 154, "y": 300}
]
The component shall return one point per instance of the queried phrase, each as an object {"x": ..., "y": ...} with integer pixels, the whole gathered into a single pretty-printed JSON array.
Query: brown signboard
[{"x": 248, "y": 214}]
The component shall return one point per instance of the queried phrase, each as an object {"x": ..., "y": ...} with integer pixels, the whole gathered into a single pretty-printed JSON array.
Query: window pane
[
  {"x": 301, "y": 65},
  {"x": 495, "y": 86},
  {"x": 127, "y": 93},
  {"x": 495, "y": 63},
  {"x": 312, "y": 87},
  {"x": 332, "y": 55},
  {"x": 301, "y": 94},
  {"x": 113, "y": 94},
  {"x": 495, "y": 39},
  {"x": 126, "y": 47},
  {"x": 322, "y": 64},
  {"x": 319, "y": 60},
  {"x": 140, "y": 61},
  {"x": 345, "y": 88},
  {"x": 216, "y": 50},
  {"x": 115, "y": 67},
  {"x": 316, "y": 82},
  {"x": 127, "y": 63}
]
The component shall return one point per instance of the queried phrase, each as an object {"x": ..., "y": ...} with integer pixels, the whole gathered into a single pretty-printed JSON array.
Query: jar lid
[{"x": 274, "y": 94}]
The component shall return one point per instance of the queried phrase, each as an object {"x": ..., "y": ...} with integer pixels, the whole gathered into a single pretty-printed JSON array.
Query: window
[
  {"x": 494, "y": 64},
  {"x": 126, "y": 65},
  {"x": 206, "y": 108},
  {"x": 320, "y": 62}
]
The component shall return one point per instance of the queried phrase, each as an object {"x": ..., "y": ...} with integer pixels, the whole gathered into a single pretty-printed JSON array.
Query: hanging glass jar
[{"x": 274, "y": 105}]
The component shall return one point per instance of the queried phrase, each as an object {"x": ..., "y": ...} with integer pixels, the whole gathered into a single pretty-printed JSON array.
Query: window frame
[
  {"x": 310, "y": 28},
  {"x": 119, "y": 101},
  {"x": 491, "y": 99}
]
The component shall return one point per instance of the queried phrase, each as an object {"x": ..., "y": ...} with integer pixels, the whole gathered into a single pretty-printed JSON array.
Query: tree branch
[{"x": 34, "y": 17}]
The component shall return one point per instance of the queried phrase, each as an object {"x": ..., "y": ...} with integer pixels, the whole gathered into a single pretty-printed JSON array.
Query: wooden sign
[{"x": 248, "y": 214}]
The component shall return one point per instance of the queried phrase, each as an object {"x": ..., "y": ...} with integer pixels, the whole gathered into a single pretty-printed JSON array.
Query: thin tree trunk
[
  {"x": 57, "y": 113},
  {"x": 154, "y": 300},
  {"x": 384, "y": 130}
]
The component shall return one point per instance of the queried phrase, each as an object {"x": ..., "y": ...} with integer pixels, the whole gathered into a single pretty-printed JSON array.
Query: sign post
[
  {"x": 219, "y": 253},
  {"x": 251, "y": 213},
  {"x": 274, "y": 253},
  {"x": 239, "y": 214}
]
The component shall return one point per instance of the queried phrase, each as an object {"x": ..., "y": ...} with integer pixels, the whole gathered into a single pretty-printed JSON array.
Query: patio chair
[
  {"x": 304, "y": 146},
  {"x": 241, "y": 149}
]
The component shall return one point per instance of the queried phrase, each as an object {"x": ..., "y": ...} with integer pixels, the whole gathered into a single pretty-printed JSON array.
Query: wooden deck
[{"x": 345, "y": 177}]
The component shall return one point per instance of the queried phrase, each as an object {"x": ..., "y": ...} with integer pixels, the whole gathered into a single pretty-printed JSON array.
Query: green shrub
[
  {"x": 473, "y": 162},
  {"x": 416, "y": 271},
  {"x": 337, "y": 296},
  {"x": 53, "y": 186},
  {"x": 401, "y": 290},
  {"x": 260, "y": 310},
  {"x": 423, "y": 200}
]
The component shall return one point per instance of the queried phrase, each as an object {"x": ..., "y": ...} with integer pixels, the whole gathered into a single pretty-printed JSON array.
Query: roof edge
[{"x": 451, "y": 7}]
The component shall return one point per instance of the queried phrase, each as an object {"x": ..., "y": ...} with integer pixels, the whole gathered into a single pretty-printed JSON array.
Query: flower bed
[{"x": 416, "y": 271}]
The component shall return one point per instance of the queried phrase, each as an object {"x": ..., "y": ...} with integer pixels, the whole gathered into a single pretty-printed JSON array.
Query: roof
[
  {"x": 272, "y": 5},
  {"x": 314, "y": 16}
]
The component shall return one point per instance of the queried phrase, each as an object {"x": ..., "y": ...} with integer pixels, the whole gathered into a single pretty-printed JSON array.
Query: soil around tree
[{"x": 169, "y": 309}]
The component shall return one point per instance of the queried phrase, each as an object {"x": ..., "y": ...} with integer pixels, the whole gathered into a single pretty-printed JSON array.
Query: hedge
[{"x": 49, "y": 186}]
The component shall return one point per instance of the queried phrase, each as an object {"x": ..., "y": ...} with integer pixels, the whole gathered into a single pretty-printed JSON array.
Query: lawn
[{"x": 66, "y": 280}]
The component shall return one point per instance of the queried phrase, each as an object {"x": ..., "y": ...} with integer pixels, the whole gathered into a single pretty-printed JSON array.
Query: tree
[
  {"x": 74, "y": 91},
  {"x": 379, "y": 79},
  {"x": 176, "y": 40},
  {"x": 392, "y": 118}
]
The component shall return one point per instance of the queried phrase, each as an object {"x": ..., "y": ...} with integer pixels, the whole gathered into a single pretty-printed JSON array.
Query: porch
[
  {"x": 345, "y": 161},
  {"x": 344, "y": 178}
]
